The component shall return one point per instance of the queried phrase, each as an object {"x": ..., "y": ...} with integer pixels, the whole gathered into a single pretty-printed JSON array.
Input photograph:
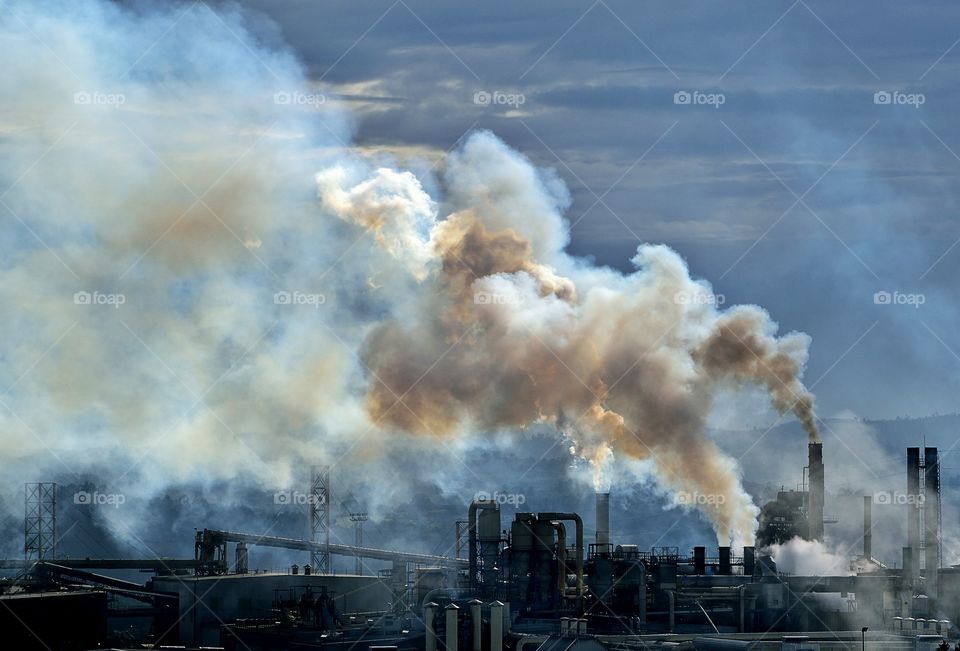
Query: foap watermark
[
  {"x": 99, "y": 298},
  {"x": 299, "y": 98},
  {"x": 96, "y": 498},
  {"x": 299, "y": 298},
  {"x": 493, "y": 298},
  {"x": 296, "y": 498},
  {"x": 499, "y": 98},
  {"x": 899, "y": 298},
  {"x": 699, "y": 298},
  {"x": 897, "y": 98},
  {"x": 687, "y": 498},
  {"x": 699, "y": 98},
  {"x": 897, "y": 498},
  {"x": 98, "y": 98},
  {"x": 503, "y": 499}
]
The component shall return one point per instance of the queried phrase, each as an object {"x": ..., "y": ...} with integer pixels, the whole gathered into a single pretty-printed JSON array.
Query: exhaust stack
[
  {"x": 913, "y": 512},
  {"x": 867, "y": 527},
  {"x": 815, "y": 496},
  {"x": 931, "y": 519},
  {"x": 603, "y": 518}
]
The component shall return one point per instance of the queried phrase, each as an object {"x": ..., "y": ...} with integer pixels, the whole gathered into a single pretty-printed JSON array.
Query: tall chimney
[
  {"x": 603, "y": 518},
  {"x": 931, "y": 519},
  {"x": 913, "y": 510},
  {"x": 815, "y": 496},
  {"x": 867, "y": 527}
]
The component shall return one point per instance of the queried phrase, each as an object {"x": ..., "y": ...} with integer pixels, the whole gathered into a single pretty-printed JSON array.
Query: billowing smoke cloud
[
  {"x": 504, "y": 329},
  {"x": 809, "y": 558},
  {"x": 182, "y": 308}
]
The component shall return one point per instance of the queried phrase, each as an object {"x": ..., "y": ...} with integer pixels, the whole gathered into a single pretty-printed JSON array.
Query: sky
[{"x": 785, "y": 181}]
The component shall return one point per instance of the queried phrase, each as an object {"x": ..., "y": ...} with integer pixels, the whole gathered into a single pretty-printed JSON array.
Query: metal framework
[
  {"x": 39, "y": 521},
  {"x": 358, "y": 519},
  {"x": 462, "y": 529},
  {"x": 320, "y": 518}
]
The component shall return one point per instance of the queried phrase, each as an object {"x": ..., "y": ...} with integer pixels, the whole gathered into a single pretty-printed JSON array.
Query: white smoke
[
  {"x": 809, "y": 558},
  {"x": 181, "y": 308}
]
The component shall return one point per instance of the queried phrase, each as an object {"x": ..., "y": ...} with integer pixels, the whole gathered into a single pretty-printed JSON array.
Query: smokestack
[
  {"x": 724, "y": 561},
  {"x": 815, "y": 495},
  {"x": 867, "y": 527},
  {"x": 749, "y": 560},
  {"x": 699, "y": 560},
  {"x": 931, "y": 519},
  {"x": 603, "y": 518},
  {"x": 913, "y": 511}
]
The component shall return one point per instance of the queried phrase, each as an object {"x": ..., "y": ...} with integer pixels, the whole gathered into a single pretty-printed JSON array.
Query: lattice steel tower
[
  {"x": 320, "y": 518},
  {"x": 358, "y": 519},
  {"x": 39, "y": 521}
]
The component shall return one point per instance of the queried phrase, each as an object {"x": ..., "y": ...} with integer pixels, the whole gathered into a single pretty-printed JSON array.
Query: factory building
[{"x": 535, "y": 582}]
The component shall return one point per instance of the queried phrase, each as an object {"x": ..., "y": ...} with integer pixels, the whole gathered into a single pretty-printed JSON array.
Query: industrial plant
[{"x": 536, "y": 582}]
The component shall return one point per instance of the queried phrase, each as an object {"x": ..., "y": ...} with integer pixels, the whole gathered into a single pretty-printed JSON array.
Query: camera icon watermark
[
  {"x": 695, "y": 498},
  {"x": 97, "y": 98},
  {"x": 493, "y": 298},
  {"x": 96, "y": 498},
  {"x": 896, "y": 498},
  {"x": 296, "y": 498},
  {"x": 897, "y": 98},
  {"x": 99, "y": 298},
  {"x": 499, "y": 98},
  {"x": 699, "y": 298},
  {"x": 503, "y": 499},
  {"x": 299, "y": 98},
  {"x": 698, "y": 98},
  {"x": 899, "y": 298},
  {"x": 299, "y": 298}
]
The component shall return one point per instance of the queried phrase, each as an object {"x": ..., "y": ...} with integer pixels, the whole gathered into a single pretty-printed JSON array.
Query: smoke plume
[
  {"x": 182, "y": 307},
  {"x": 504, "y": 329}
]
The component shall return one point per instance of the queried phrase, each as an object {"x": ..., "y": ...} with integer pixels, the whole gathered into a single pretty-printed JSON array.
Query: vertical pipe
[
  {"x": 603, "y": 519},
  {"x": 815, "y": 494},
  {"x": 931, "y": 519},
  {"x": 749, "y": 560},
  {"x": 475, "y": 622},
  {"x": 724, "y": 561},
  {"x": 867, "y": 527},
  {"x": 496, "y": 626},
  {"x": 429, "y": 620},
  {"x": 453, "y": 612},
  {"x": 672, "y": 610},
  {"x": 699, "y": 560},
  {"x": 913, "y": 512}
]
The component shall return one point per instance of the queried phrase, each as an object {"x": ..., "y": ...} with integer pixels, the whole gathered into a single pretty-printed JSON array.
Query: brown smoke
[{"x": 624, "y": 366}]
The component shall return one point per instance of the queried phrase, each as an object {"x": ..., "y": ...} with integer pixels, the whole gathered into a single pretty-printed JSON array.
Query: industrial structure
[{"x": 531, "y": 582}]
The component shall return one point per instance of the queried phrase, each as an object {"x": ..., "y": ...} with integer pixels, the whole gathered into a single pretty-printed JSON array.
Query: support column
[
  {"x": 429, "y": 620},
  {"x": 496, "y": 626}
]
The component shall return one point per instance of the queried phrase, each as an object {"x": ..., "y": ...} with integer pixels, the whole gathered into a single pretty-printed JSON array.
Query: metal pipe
[
  {"x": 475, "y": 622},
  {"x": 572, "y": 517},
  {"x": 603, "y": 518},
  {"x": 867, "y": 527},
  {"x": 496, "y": 626},
  {"x": 453, "y": 631},
  {"x": 816, "y": 493},
  {"x": 561, "y": 556},
  {"x": 931, "y": 520},
  {"x": 429, "y": 616}
]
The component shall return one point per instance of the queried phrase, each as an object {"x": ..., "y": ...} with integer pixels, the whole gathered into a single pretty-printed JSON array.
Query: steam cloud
[
  {"x": 441, "y": 316},
  {"x": 504, "y": 329}
]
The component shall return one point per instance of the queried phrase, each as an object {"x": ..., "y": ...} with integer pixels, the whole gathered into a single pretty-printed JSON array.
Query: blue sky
[{"x": 799, "y": 192}]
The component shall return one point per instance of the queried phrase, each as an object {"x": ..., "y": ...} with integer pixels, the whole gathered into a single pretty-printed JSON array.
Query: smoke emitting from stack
[{"x": 446, "y": 313}]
